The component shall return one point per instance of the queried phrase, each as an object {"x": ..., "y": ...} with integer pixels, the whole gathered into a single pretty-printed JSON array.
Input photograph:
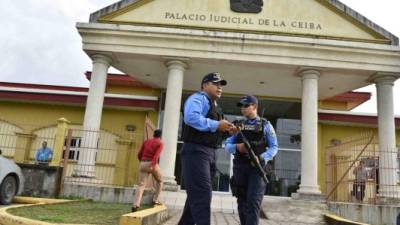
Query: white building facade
[{"x": 303, "y": 51}]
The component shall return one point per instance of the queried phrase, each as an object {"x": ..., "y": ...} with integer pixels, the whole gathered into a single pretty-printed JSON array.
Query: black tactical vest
[
  {"x": 209, "y": 139},
  {"x": 255, "y": 135}
]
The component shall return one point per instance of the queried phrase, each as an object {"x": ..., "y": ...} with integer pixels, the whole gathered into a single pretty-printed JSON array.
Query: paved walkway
[
  {"x": 221, "y": 201},
  {"x": 280, "y": 210},
  {"x": 219, "y": 218}
]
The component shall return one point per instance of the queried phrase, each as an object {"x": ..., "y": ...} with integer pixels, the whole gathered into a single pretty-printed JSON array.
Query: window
[
  {"x": 288, "y": 159},
  {"x": 398, "y": 164},
  {"x": 74, "y": 149},
  {"x": 289, "y": 133}
]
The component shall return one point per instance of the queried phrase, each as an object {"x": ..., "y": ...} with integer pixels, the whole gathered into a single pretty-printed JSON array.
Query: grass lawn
[{"x": 76, "y": 212}]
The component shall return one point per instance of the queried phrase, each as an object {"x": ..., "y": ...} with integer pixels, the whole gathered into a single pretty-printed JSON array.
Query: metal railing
[
  {"x": 24, "y": 140},
  {"x": 358, "y": 171},
  {"x": 283, "y": 182},
  {"x": 101, "y": 157}
]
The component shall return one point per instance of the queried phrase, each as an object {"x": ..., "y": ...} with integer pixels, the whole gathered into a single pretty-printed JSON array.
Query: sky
[{"x": 39, "y": 42}]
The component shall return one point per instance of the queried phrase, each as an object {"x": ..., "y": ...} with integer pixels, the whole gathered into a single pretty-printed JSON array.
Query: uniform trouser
[
  {"x": 144, "y": 177},
  {"x": 198, "y": 170},
  {"x": 251, "y": 192},
  {"x": 359, "y": 190}
]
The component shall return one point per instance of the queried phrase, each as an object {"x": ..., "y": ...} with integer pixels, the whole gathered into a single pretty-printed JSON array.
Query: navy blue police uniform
[
  {"x": 247, "y": 182},
  {"x": 201, "y": 139}
]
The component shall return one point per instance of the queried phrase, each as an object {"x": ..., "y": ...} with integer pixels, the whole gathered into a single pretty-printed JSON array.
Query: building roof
[
  {"x": 351, "y": 118},
  {"x": 353, "y": 99},
  {"x": 364, "y": 20},
  {"x": 346, "y": 10},
  {"x": 352, "y": 96},
  {"x": 114, "y": 79},
  {"x": 51, "y": 94}
]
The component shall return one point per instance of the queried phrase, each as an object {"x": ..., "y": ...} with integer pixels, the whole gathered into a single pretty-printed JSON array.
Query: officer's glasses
[
  {"x": 218, "y": 84},
  {"x": 246, "y": 105}
]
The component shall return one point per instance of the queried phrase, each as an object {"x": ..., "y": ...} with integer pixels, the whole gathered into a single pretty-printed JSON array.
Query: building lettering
[
  {"x": 306, "y": 25},
  {"x": 229, "y": 19},
  {"x": 220, "y": 19},
  {"x": 184, "y": 16}
]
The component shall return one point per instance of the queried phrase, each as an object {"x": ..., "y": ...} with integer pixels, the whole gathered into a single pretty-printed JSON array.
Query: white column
[
  {"x": 387, "y": 135},
  {"x": 92, "y": 119},
  {"x": 309, "y": 133},
  {"x": 176, "y": 70}
]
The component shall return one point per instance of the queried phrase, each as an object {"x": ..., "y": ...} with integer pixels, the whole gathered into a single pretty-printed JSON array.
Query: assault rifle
[{"x": 253, "y": 158}]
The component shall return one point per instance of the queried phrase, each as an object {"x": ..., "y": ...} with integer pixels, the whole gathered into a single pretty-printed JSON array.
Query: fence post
[
  {"x": 65, "y": 162},
  {"x": 23, "y": 147},
  {"x": 62, "y": 125},
  {"x": 122, "y": 161}
]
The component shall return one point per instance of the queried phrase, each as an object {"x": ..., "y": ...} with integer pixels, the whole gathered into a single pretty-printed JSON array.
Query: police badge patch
[{"x": 247, "y": 6}]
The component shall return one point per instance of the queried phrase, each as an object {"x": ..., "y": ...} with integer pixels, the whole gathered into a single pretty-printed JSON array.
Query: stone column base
[
  {"x": 384, "y": 200},
  {"x": 168, "y": 186},
  {"x": 84, "y": 173},
  {"x": 83, "y": 180},
  {"x": 308, "y": 197}
]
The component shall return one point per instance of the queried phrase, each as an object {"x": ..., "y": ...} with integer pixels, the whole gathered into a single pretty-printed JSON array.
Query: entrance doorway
[{"x": 284, "y": 170}]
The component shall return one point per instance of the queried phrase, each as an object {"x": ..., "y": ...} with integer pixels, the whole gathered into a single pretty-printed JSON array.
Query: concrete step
[{"x": 287, "y": 210}]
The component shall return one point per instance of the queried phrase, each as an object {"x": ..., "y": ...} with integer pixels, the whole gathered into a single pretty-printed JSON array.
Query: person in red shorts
[{"x": 148, "y": 156}]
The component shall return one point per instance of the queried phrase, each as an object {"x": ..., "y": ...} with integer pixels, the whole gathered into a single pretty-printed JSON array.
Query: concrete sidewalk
[
  {"x": 221, "y": 202},
  {"x": 216, "y": 218},
  {"x": 279, "y": 210},
  {"x": 219, "y": 218}
]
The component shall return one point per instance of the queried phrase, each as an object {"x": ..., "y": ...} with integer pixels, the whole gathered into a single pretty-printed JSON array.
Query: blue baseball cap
[
  {"x": 247, "y": 100},
  {"x": 214, "y": 77}
]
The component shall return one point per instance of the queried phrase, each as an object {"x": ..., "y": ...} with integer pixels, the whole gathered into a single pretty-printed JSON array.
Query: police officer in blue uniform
[
  {"x": 202, "y": 135},
  {"x": 248, "y": 185}
]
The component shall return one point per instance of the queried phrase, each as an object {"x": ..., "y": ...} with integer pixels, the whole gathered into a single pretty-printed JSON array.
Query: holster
[
  {"x": 233, "y": 186},
  {"x": 237, "y": 191}
]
